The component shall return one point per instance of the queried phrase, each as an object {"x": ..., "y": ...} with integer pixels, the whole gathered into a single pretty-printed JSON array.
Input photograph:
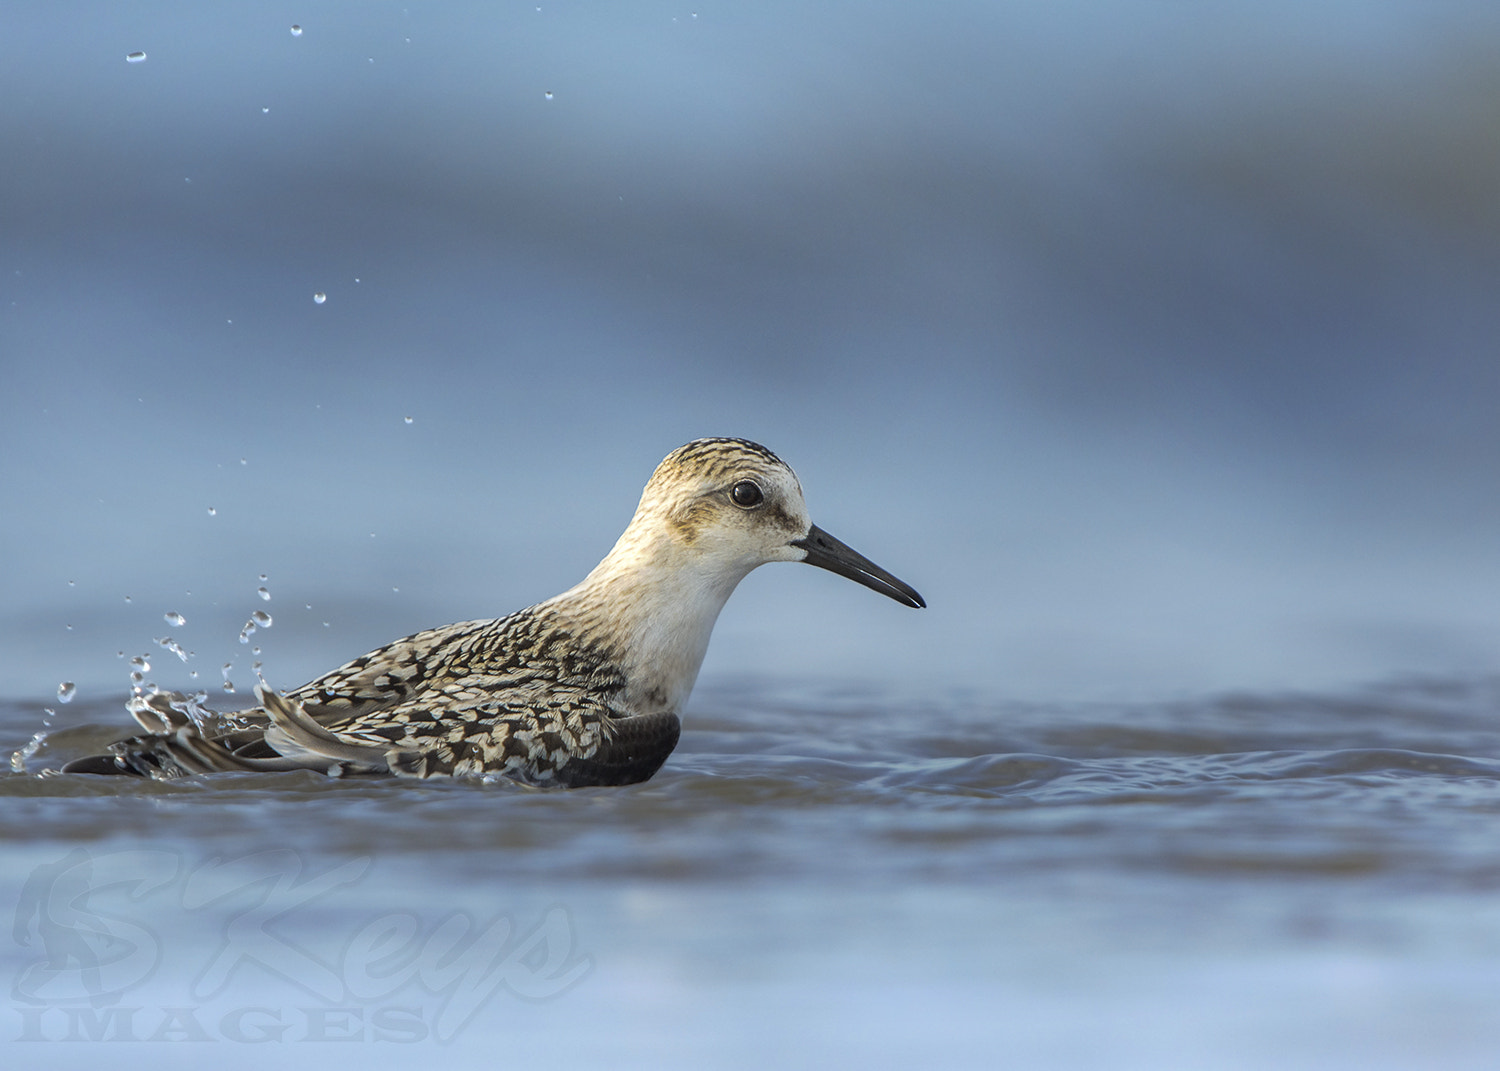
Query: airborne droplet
[
  {"x": 296, "y": 30},
  {"x": 66, "y": 691},
  {"x": 319, "y": 298},
  {"x": 263, "y": 593},
  {"x": 261, "y": 618},
  {"x": 173, "y": 618},
  {"x": 136, "y": 57}
]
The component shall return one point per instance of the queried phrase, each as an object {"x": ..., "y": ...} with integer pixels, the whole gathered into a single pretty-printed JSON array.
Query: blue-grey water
[
  {"x": 1156, "y": 346},
  {"x": 825, "y": 876}
]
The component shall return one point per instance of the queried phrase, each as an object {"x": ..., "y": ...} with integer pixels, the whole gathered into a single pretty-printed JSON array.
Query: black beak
[{"x": 828, "y": 553}]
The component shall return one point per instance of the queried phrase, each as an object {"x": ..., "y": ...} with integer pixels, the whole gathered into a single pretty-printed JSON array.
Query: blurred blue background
[{"x": 1155, "y": 344}]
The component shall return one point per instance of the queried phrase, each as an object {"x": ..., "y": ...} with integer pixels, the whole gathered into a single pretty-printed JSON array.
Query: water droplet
[
  {"x": 141, "y": 663},
  {"x": 408, "y": 420},
  {"x": 229, "y": 685},
  {"x": 193, "y": 673},
  {"x": 173, "y": 618},
  {"x": 246, "y": 632},
  {"x": 396, "y": 590},
  {"x": 127, "y": 598},
  {"x": 66, "y": 690},
  {"x": 255, "y": 650},
  {"x": 265, "y": 111},
  {"x": 309, "y": 606},
  {"x": 137, "y": 57},
  {"x": 212, "y": 512},
  {"x": 548, "y": 94},
  {"x": 137, "y": 677},
  {"x": 226, "y": 667},
  {"x": 256, "y": 665},
  {"x": 296, "y": 30},
  {"x": 168, "y": 643},
  {"x": 68, "y": 627},
  {"x": 243, "y": 461},
  {"x": 263, "y": 593},
  {"x": 71, "y": 583},
  {"x": 319, "y": 298},
  {"x": 262, "y": 577},
  {"x": 261, "y": 618}
]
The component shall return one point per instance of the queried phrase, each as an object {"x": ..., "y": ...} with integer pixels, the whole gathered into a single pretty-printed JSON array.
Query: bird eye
[{"x": 746, "y": 494}]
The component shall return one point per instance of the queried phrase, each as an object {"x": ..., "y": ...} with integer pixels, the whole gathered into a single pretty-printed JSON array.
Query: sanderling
[{"x": 583, "y": 689}]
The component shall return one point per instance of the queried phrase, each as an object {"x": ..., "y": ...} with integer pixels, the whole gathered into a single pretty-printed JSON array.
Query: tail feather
[{"x": 294, "y": 734}]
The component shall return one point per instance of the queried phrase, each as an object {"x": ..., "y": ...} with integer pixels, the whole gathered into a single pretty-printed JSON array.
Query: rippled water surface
[{"x": 832, "y": 873}]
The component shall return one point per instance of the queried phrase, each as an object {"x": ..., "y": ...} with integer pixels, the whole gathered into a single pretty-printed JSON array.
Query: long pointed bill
[{"x": 828, "y": 553}]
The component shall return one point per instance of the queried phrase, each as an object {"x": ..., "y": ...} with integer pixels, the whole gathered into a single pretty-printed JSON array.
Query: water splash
[{"x": 18, "y": 759}]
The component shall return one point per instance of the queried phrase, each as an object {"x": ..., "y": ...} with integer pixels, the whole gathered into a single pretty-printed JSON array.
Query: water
[
  {"x": 1155, "y": 346},
  {"x": 1251, "y": 880}
]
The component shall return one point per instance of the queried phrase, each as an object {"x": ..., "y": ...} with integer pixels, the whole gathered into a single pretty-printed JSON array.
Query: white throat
[{"x": 654, "y": 602}]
